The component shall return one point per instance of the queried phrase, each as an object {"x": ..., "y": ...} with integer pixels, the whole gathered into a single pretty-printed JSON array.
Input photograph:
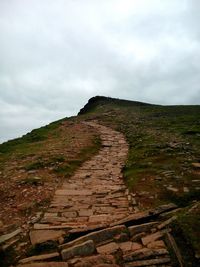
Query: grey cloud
[{"x": 56, "y": 54}]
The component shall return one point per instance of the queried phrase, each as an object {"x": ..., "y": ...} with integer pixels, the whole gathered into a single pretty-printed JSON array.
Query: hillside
[
  {"x": 163, "y": 163},
  {"x": 164, "y": 156}
]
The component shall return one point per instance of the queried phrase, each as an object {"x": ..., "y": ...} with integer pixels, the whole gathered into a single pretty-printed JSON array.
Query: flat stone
[
  {"x": 84, "y": 249},
  {"x": 136, "y": 229},
  {"x": 156, "y": 244},
  {"x": 151, "y": 238},
  {"x": 6, "y": 237},
  {"x": 132, "y": 218},
  {"x": 97, "y": 236},
  {"x": 163, "y": 208},
  {"x": 45, "y": 264},
  {"x": 68, "y": 226},
  {"x": 125, "y": 246},
  {"x": 108, "y": 248},
  {"x": 167, "y": 222},
  {"x": 40, "y": 257},
  {"x": 41, "y": 236}
]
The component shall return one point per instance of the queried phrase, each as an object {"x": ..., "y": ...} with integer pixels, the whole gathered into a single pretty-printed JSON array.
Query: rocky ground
[
  {"x": 135, "y": 203},
  {"x": 93, "y": 219}
]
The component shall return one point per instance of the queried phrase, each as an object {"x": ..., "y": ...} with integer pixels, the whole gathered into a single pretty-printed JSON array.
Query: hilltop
[{"x": 163, "y": 163}]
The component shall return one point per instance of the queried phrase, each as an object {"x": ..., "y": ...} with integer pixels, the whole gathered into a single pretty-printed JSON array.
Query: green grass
[
  {"x": 161, "y": 138},
  {"x": 163, "y": 143},
  {"x": 69, "y": 168},
  {"x": 32, "y": 138}
]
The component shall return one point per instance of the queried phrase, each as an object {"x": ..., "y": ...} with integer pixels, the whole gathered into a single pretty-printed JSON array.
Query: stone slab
[
  {"x": 40, "y": 257},
  {"x": 97, "y": 236},
  {"x": 41, "y": 236},
  {"x": 6, "y": 237},
  {"x": 108, "y": 248},
  {"x": 83, "y": 249},
  {"x": 136, "y": 229},
  {"x": 151, "y": 238}
]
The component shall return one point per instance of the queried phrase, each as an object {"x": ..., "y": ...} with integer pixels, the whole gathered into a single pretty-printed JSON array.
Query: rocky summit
[{"x": 96, "y": 215}]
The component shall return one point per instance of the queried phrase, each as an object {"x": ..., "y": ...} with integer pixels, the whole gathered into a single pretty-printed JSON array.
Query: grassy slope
[
  {"x": 164, "y": 142},
  {"x": 32, "y": 167}
]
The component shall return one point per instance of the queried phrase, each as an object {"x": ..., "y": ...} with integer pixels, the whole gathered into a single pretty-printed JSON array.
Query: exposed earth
[{"x": 109, "y": 187}]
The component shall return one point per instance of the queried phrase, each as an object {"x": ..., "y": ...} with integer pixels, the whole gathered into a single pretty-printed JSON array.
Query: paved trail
[
  {"x": 96, "y": 194},
  {"x": 96, "y": 201}
]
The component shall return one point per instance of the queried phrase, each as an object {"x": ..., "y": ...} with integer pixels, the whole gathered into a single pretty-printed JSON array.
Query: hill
[{"x": 163, "y": 163}]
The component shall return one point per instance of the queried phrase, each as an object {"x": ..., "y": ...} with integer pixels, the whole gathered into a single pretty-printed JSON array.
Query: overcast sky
[{"x": 56, "y": 54}]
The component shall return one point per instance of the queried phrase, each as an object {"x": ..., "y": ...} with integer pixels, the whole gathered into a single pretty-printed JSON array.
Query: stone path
[
  {"x": 94, "y": 221},
  {"x": 96, "y": 194}
]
